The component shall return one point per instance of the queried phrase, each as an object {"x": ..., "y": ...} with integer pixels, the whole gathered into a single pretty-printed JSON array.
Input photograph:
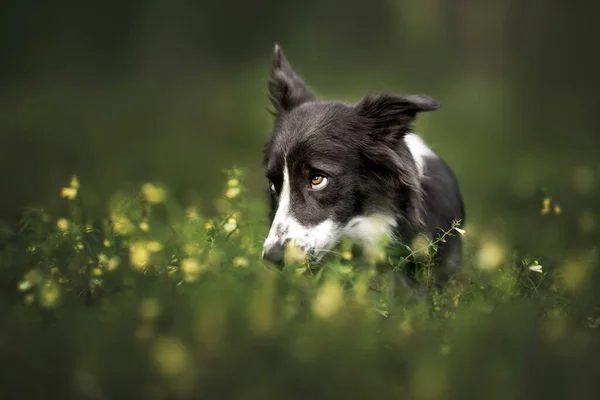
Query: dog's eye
[{"x": 318, "y": 182}]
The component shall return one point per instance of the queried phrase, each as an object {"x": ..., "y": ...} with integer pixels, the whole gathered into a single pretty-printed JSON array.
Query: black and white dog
[{"x": 337, "y": 170}]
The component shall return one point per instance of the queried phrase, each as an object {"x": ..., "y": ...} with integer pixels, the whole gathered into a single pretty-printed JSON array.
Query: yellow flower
[
  {"x": 294, "y": 254},
  {"x": 63, "y": 224},
  {"x": 25, "y": 285},
  {"x": 232, "y": 192},
  {"x": 347, "y": 255},
  {"x": 231, "y": 225},
  {"x": 546, "y": 202},
  {"x": 191, "y": 269},
  {"x": 74, "y": 182},
  {"x": 154, "y": 246},
  {"x": 240, "y": 262},
  {"x": 49, "y": 295},
  {"x": 153, "y": 194},
  {"x": 113, "y": 263},
  {"x": 144, "y": 226},
  {"x": 68, "y": 193},
  {"x": 121, "y": 224},
  {"x": 557, "y": 209},
  {"x": 106, "y": 243},
  {"x": 208, "y": 226},
  {"x": 139, "y": 256},
  {"x": 329, "y": 300},
  {"x": 233, "y": 182}
]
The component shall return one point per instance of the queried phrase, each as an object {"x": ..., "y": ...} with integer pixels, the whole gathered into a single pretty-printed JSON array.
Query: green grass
[{"x": 157, "y": 301}]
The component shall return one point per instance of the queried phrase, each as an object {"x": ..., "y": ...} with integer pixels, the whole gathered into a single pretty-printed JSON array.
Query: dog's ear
[
  {"x": 392, "y": 115},
  {"x": 286, "y": 89}
]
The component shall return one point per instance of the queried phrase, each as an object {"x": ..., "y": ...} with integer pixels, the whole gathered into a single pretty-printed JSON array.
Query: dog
[{"x": 356, "y": 171}]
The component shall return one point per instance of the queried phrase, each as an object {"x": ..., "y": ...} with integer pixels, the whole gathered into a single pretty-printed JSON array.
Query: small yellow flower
[
  {"x": 74, "y": 182},
  {"x": 232, "y": 192},
  {"x": 546, "y": 202},
  {"x": 154, "y": 246},
  {"x": 106, "y": 243},
  {"x": 191, "y": 269},
  {"x": 294, "y": 254},
  {"x": 97, "y": 271},
  {"x": 329, "y": 300},
  {"x": 557, "y": 209},
  {"x": 208, "y": 226},
  {"x": 233, "y": 182},
  {"x": 231, "y": 225},
  {"x": 153, "y": 194},
  {"x": 25, "y": 286},
  {"x": 240, "y": 262},
  {"x": 144, "y": 226},
  {"x": 68, "y": 193},
  {"x": 113, "y": 263},
  {"x": 49, "y": 294},
  {"x": 347, "y": 255},
  {"x": 139, "y": 256},
  {"x": 63, "y": 224},
  {"x": 121, "y": 224}
]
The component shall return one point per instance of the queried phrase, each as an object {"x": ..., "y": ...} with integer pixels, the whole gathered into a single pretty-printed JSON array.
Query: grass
[{"x": 158, "y": 301}]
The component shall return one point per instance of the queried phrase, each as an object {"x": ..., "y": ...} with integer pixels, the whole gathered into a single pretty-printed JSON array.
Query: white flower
[{"x": 535, "y": 268}]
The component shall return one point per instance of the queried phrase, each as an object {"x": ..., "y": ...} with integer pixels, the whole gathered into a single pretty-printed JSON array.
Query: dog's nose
[{"x": 274, "y": 253}]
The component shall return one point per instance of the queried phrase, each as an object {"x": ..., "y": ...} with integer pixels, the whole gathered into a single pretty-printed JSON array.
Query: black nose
[{"x": 275, "y": 253}]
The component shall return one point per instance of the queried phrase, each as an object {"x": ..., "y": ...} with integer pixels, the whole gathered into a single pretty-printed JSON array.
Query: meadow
[
  {"x": 130, "y": 243},
  {"x": 157, "y": 301}
]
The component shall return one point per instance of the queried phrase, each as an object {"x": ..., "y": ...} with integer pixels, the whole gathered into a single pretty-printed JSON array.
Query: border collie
[{"x": 358, "y": 171}]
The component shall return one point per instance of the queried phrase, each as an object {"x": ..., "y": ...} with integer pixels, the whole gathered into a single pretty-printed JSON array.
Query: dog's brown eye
[{"x": 318, "y": 182}]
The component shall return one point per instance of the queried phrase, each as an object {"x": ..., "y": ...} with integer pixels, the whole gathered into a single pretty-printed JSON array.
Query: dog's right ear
[{"x": 286, "y": 89}]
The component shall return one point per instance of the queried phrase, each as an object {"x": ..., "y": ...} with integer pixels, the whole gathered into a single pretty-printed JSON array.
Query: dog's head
[{"x": 338, "y": 170}]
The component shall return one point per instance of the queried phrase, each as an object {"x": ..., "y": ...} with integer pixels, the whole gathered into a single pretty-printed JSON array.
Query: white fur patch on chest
[
  {"x": 419, "y": 150},
  {"x": 370, "y": 230}
]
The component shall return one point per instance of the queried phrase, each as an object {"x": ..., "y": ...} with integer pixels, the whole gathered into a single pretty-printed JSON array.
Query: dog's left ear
[
  {"x": 391, "y": 114},
  {"x": 286, "y": 89}
]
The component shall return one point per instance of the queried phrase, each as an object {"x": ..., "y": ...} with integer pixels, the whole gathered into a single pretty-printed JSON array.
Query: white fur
[
  {"x": 419, "y": 150},
  {"x": 370, "y": 230}
]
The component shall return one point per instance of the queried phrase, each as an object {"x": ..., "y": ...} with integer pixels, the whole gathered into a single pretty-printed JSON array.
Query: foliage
[{"x": 158, "y": 301}]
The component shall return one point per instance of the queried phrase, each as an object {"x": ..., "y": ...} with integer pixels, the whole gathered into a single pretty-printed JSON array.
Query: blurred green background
[
  {"x": 171, "y": 91},
  {"x": 125, "y": 92}
]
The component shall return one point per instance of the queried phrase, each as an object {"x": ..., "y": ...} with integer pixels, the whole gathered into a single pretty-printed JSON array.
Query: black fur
[{"x": 362, "y": 148}]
